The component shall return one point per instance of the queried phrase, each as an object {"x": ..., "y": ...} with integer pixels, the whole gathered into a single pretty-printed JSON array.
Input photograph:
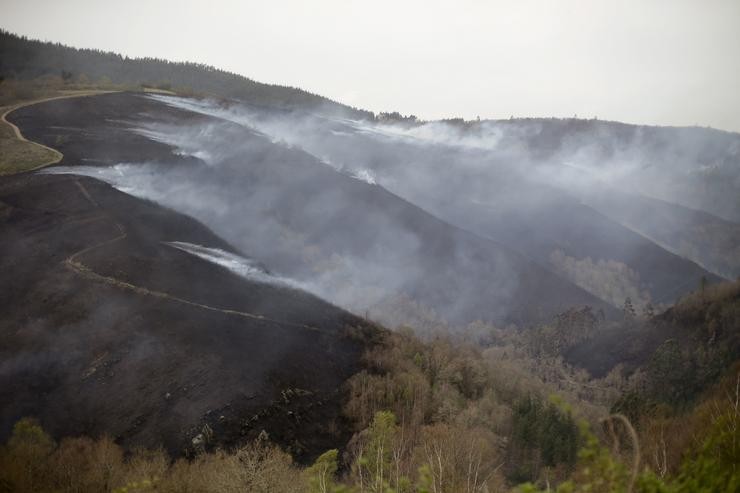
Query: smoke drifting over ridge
[
  {"x": 494, "y": 160},
  {"x": 577, "y": 155},
  {"x": 691, "y": 167},
  {"x": 307, "y": 195}
]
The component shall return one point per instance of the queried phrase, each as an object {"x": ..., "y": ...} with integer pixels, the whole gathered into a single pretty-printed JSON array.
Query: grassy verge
[{"x": 17, "y": 154}]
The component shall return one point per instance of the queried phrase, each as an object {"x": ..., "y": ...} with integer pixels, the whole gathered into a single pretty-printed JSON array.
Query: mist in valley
[{"x": 451, "y": 215}]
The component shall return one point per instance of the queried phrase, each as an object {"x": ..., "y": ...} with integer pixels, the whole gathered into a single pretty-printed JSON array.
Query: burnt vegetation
[{"x": 130, "y": 365}]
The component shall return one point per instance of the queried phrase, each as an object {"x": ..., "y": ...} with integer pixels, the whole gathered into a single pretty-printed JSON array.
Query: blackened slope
[
  {"x": 552, "y": 221},
  {"x": 90, "y": 357},
  {"x": 96, "y": 130},
  {"x": 462, "y": 276},
  {"x": 498, "y": 193}
]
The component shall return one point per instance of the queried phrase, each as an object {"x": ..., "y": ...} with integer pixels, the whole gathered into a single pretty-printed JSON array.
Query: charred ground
[
  {"x": 88, "y": 356},
  {"x": 109, "y": 329},
  {"x": 463, "y": 276}
]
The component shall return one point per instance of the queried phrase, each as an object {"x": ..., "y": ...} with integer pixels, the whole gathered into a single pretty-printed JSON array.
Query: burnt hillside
[{"x": 107, "y": 329}]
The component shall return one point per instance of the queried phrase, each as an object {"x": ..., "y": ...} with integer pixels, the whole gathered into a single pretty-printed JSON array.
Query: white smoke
[
  {"x": 237, "y": 264},
  {"x": 490, "y": 178},
  {"x": 365, "y": 175}
]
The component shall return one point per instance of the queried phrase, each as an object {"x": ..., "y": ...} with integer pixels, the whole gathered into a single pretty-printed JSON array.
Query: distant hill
[
  {"x": 695, "y": 167},
  {"x": 709, "y": 240},
  {"x": 25, "y": 59}
]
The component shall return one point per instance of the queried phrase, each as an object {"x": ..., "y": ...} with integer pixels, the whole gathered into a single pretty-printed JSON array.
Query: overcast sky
[{"x": 672, "y": 62}]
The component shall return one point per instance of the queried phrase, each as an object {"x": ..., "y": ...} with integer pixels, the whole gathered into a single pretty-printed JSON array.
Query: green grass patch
[{"x": 17, "y": 156}]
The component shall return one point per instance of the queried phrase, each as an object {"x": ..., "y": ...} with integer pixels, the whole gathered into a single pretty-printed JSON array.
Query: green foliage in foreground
[
  {"x": 431, "y": 418},
  {"x": 542, "y": 436},
  {"x": 714, "y": 467},
  {"x": 31, "y": 461}
]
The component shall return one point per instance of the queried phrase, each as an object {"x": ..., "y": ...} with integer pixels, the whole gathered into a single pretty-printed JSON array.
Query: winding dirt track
[{"x": 79, "y": 268}]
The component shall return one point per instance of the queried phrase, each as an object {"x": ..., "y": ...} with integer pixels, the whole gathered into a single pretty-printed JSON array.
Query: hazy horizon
[{"x": 655, "y": 62}]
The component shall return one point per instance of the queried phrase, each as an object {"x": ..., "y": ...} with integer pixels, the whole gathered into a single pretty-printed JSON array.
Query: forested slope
[{"x": 25, "y": 59}]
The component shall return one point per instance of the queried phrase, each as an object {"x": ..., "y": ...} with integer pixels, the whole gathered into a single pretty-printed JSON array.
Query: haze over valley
[{"x": 215, "y": 284}]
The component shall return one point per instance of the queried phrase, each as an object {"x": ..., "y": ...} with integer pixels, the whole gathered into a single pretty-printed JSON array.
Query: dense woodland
[{"x": 442, "y": 414}]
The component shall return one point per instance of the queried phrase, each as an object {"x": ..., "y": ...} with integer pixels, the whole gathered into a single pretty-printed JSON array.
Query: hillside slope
[
  {"x": 108, "y": 329},
  {"x": 688, "y": 346},
  {"x": 707, "y": 239},
  {"x": 694, "y": 167},
  {"x": 349, "y": 241},
  {"x": 495, "y": 188}
]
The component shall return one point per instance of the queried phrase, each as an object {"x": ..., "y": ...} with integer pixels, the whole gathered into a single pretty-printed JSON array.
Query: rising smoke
[{"x": 458, "y": 216}]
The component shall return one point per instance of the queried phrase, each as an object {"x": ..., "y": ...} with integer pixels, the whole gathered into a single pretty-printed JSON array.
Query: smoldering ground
[
  {"x": 509, "y": 171},
  {"x": 361, "y": 212},
  {"x": 124, "y": 334}
]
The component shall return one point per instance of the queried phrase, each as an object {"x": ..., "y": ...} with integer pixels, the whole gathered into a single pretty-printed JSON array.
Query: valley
[{"x": 213, "y": 284}]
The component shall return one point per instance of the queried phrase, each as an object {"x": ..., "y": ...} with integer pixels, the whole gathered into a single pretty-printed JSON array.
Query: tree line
[{"x": 25, "y": 59}]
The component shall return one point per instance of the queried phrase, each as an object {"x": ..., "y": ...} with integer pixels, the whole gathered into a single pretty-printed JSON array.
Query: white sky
[{"x": 668, "y": 62}]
